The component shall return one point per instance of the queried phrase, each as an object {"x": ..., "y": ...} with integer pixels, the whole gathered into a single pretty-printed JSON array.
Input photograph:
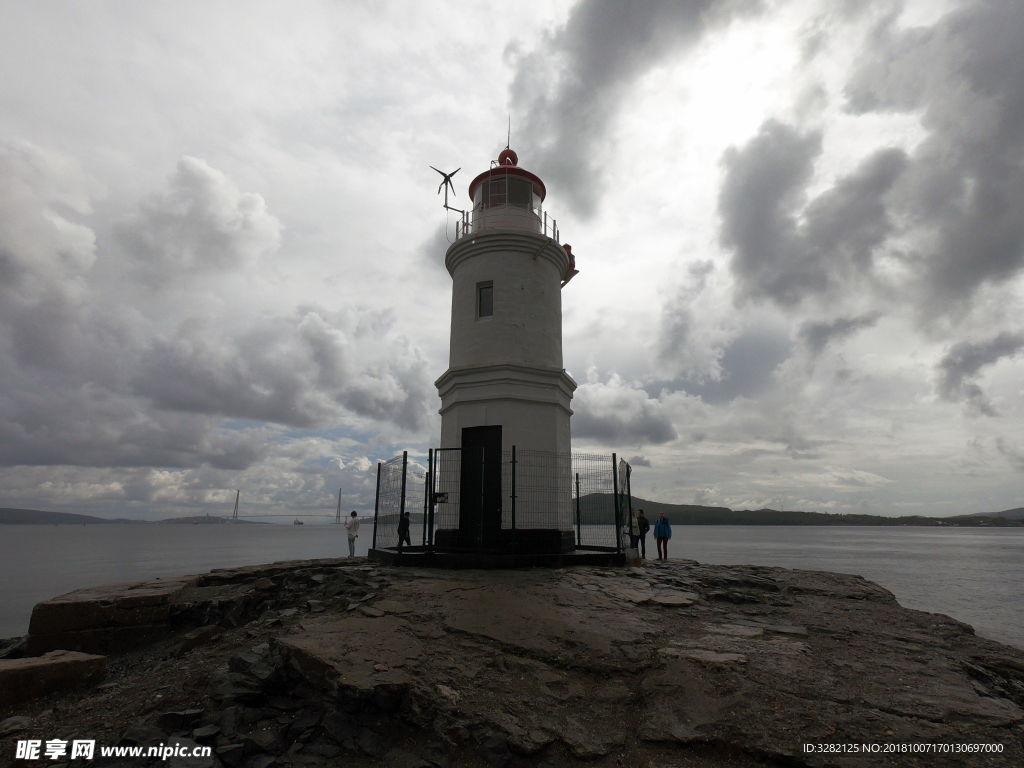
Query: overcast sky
[{"x": 799, "y": 225}]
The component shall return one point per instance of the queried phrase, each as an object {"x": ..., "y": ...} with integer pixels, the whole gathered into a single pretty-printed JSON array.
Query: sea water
[{"x": 971, "y": 574}]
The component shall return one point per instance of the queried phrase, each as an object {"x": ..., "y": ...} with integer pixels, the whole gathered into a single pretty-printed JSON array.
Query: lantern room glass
[{"x": 509, "y": 190}]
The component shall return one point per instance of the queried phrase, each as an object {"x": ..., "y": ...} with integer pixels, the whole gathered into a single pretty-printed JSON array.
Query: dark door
[{"x": 480, "y": 492}]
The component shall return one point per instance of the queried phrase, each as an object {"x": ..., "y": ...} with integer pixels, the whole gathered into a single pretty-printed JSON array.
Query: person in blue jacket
[{"x": 662, "y": 533}]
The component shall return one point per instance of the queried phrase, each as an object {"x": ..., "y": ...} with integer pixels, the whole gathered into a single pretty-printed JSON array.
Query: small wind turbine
[{"x": 446, "y": 182}]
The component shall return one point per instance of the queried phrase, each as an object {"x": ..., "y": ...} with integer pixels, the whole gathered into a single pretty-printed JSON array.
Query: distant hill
[
  {"x": 1008, "y": 514},
  {"x": 690, "y": 514},
  {"x": 38, "y": 517}
]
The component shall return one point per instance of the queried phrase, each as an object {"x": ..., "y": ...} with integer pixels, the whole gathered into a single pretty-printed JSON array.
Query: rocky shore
[{"x": 348, "y": 663}]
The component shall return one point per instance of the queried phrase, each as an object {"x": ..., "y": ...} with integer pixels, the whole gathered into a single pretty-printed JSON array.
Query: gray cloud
[
  {"x": 293, "y": 371},
  {"x": 615, "y": 412},
  {"x": 201, "y": 224},
  {"x": 91, "y": 381},
  {"x": 965, "y": 184},
  {"x": 818, "y": 335},
  {"x": 570, "y": 88},
  {"x": 676, "y": 349},
  {"x": 784, "y": 250},
  {"x": 639, "y": 461},
  {"x": 1011, "y": 453},
  {"x": 965, "y": 360},
  {"x": 747, "y": 364}
]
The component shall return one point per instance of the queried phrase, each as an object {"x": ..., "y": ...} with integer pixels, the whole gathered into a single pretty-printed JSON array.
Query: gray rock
[
  {"x": 386, "y": 699},
  {"x": 233, "y": 686},
  {"x": 265, "y": 740},
  {"x": 495, "y": 751},
  {"x": 198, "y": 637},
  {"x": 241, "y": 662},
  {"x": 231, "y": 719},
  {"x": 370, "y": 743},
  {"x": 398, "y": 758},
  {"x": 315, "y": 606},
  {"x": 231, "y": 754},
  {"x": 178, "y": 720},
  {"x": 14, "y": 724},
  {"x": 206, "y": 733},
  {"x": 323, "y": 749},
  {"x": 140, "y": 734},
  {"x": 338, "y": 728}
]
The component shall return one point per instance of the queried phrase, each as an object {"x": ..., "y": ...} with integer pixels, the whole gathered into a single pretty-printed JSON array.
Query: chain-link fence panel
[
  {"x": 389, "y": 503},
  {"x": 456, "y": 529},
  {"x": 594, "y": 501}
]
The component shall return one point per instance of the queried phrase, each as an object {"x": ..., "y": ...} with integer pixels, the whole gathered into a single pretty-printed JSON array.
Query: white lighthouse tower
[
  {"x": 505, "y": 385},
  {"x": 505, "y": 367}
]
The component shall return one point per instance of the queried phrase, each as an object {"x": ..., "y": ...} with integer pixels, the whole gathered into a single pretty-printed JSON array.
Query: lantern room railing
[{"x": 506, "y": 216}]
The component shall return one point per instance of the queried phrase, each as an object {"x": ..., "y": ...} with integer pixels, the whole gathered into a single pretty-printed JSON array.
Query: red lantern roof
[{"x": 507, "y": 166}]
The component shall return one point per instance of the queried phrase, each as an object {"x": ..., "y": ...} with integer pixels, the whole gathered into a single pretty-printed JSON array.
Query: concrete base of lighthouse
[
  {"x": 486, "y": 411},
  {"x": 531, "y": 405}
]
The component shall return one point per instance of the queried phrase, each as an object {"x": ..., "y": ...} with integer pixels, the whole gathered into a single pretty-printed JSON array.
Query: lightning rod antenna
[{"x": 508, "y": 140}]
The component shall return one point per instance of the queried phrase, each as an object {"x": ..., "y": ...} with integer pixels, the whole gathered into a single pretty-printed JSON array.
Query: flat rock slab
[
  {"x": 673, "y": 598},
  {"x": 736, "y": 630},
  {"x": 105, "y": 619},
  {"x": 354, "y": 653},
  {"x": 392, "y": 606},
  {"x": 541, "y": 619},
  {"x": 704, "y": 655},
  {"x": 23, "y": 679}
]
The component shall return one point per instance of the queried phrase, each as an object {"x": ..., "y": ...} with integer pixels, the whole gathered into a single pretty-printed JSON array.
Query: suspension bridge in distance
[{"x": 235, "y": 517}]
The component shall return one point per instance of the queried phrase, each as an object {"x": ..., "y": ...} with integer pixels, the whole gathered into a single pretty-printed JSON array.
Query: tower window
[{"x": 485, "y": 299}]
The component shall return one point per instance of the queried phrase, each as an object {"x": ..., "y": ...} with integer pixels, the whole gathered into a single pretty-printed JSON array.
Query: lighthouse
[{"x": 505, "y": 385}]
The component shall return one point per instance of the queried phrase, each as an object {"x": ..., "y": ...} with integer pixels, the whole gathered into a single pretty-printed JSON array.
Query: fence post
[
  {"x": 426, "y": 499},
  {"x": 401, "y": 504},
  {"x": 629, "y": 494},
  {"x": 428, "y": 523},
  {"x": 513, "y": 506},
  {"x": 483, "y": 491},
  {"x": 579, "y": 529},
  {"x": 615, "y": 493},
  {"x": 376, "y": 506}
]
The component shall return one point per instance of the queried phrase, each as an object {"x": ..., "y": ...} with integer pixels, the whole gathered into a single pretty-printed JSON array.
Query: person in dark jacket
[
  {"x": 643, "y": 525},
  {"x": 403, "y": 531},
  {"x": 662, "y": 533}
]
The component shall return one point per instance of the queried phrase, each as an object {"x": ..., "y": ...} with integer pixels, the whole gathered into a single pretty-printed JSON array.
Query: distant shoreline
[{"x": 678, "y": 514}]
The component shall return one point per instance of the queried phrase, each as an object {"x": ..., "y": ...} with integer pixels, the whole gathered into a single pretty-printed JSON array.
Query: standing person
[
  {"x": 352, "y": 527},
  {"x": 643, "y": 525},
  {"x": 403, "y": 531},
  {"x": 634, "y": 529},
  {"x": 662, "y": 533}
]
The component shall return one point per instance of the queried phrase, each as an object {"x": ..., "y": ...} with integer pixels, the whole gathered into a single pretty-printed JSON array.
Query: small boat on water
[{"x": 297, "y": 522}]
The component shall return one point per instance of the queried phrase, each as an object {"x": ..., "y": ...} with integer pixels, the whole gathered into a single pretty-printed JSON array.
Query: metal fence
[
  {"x": 507, "y": 216},
  {"x": 512, "y": 502}
]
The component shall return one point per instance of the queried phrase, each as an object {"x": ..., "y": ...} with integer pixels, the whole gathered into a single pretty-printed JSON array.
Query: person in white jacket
[{"x": 352, "y": 526}]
